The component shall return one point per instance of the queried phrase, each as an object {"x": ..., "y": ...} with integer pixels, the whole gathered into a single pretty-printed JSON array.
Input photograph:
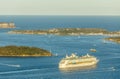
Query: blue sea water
[{"x": 47, "y": 67}]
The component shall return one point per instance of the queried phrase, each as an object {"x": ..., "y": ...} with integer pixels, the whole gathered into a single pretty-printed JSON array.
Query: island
[
  {"x": 7, "y": 25},
  {"x": 23, "y": 51},
  {"x": 114, "y": 39},
  {"x": 68, "y": 31}
]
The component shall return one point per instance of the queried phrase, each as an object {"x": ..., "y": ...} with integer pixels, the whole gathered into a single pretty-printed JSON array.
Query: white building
[{"x": 7, "y": 25}]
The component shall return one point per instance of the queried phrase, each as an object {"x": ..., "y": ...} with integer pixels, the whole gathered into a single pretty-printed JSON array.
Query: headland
[
  {"x": 114, "y": 39},
  {"x": 69, "y": 31}
]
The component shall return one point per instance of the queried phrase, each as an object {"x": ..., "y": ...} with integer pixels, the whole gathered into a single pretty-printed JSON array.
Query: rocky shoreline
[
  {"x": 7, "y": 25},
  {"x": 68, "y": 31},
  {"x": 114, "y": 39}
]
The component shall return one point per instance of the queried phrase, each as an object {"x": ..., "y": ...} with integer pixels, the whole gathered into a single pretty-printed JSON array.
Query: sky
[{"x": 59, "y": 7}]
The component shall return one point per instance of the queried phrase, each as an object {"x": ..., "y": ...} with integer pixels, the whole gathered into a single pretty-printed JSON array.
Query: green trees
[{"x": 23, "y": 51}]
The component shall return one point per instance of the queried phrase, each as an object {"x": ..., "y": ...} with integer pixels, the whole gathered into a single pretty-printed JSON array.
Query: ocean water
[{"x": 47, "y": 67}]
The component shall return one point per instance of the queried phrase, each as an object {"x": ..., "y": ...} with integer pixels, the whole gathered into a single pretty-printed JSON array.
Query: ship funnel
[
  {"x": 88, "y": 55},
  {"x": 67, "y": 56}
]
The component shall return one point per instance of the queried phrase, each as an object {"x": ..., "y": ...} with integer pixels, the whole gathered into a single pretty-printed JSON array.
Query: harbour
[{"x": 48, "y": 67}]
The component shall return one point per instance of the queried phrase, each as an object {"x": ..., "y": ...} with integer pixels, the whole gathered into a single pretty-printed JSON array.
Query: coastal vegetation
[
  {"x": 114, "y": 39},
  {"x": 23, "y": 51},
  {"x": 69, "y": 31}
]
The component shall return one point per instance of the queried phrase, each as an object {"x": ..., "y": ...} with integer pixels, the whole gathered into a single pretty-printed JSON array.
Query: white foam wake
[
  {"x": 21, "y": 71},
  {"x": 11, "y": 65},
  {"x": 9, "y": 72}
]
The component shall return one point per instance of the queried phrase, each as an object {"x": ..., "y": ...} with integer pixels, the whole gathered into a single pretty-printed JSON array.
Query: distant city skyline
[{"x": 60, "y": 7}]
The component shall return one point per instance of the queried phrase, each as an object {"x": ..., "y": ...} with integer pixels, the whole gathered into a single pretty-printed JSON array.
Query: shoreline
[
  {"x": 113, "y": 39},
  {"x": 68, "y": 31},
  {"x": 26, "y": 56}
]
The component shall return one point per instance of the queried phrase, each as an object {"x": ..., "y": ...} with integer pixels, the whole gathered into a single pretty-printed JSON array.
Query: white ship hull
[{"x": 78, "y": 65}]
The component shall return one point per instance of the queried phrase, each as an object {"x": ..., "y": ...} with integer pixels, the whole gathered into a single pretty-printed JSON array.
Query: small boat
[
  {"x": 104, "y": 41},
  {"x": 93, "y": 50},
  {"x": 77, "y": 61},
  {"x": 56, "y": 54}
]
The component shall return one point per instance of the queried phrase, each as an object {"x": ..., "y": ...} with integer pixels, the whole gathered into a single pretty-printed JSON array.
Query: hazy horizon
[{"x": 62, "y": 7}]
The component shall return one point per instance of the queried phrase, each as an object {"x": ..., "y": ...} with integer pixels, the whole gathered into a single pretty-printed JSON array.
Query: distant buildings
[{"x": 7, "y": 25}]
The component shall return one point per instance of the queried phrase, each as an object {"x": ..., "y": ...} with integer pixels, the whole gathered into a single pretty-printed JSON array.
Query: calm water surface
[{"x": 47, "y": 67}]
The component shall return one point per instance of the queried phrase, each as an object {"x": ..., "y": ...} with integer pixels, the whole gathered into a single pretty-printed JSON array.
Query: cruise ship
[{"x": 76, "y": 61}]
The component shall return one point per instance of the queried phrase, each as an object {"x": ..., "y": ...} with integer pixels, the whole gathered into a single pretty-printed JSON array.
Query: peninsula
[
  {"x": 68, "y": 31},
  {"x": 7, "y": 25},
  {"x": 114, "y": 39},
  {"x": 23, "y": 51}
]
